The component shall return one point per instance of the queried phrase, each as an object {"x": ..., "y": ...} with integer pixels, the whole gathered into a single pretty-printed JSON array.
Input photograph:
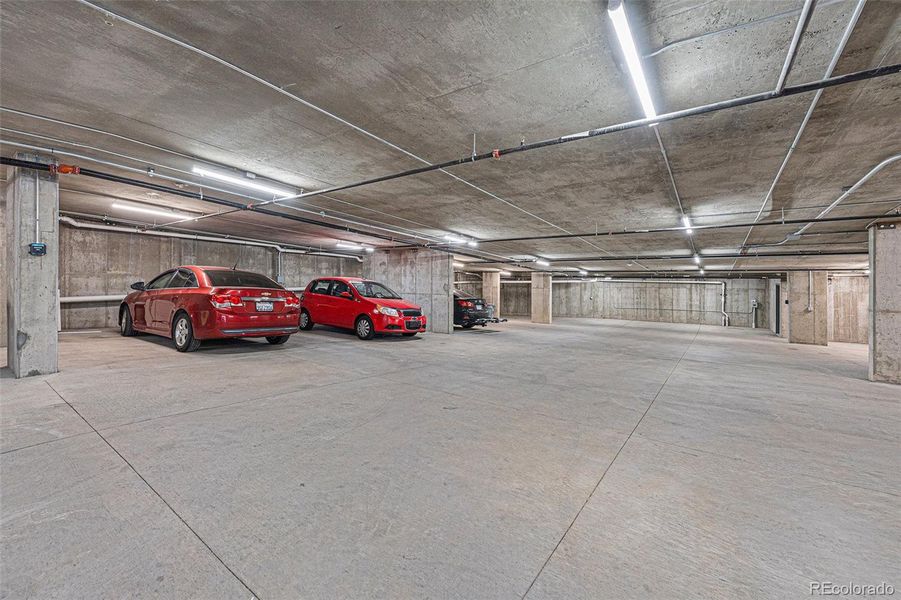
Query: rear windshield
[
  {"x": 229, "y": 278},
  {"x": 462, "y": 294}
]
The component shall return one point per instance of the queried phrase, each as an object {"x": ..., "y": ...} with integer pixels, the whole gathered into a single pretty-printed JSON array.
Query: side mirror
[
  {"x": 347, "y": 295},
  {"x": 138, "y": 285}
]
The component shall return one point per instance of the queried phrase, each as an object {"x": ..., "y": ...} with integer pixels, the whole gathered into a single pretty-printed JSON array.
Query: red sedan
[
  {"x": 367, "y": 307},
  {"x": 190, "y": 304}
]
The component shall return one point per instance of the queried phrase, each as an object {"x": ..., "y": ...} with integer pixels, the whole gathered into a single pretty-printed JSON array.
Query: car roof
[{"x": 341, "y": 278}]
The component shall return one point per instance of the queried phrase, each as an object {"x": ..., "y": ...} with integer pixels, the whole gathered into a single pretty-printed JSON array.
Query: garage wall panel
[{"x": 100, "y": 263}]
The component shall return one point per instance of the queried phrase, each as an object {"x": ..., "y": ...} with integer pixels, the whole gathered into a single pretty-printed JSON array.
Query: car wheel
[
  {"x": 410, "y": 334},
  {"x": 126, "y": 327},
  {"x": 276, "y": 340},
  {"x": 183, "y": 334},
  {"x": 306, "y": 322},
  {"x": 364, "y": 328},
  {"x": 469, "y": 326}
]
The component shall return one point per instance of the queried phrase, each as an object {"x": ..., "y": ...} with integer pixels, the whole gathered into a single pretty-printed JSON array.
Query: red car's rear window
[{"x": 230, "y": 278}]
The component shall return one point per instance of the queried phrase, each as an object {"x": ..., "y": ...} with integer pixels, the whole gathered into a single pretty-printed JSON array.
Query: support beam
[
  {"x": 491, "y": 290},
  {"x": 885, "y": 301},
  {"x": 808, "y": 308},
  {"x": 32, "y": 208},
  {"x": 541, "y": 298},
  {"x": 424, "y": 277}
]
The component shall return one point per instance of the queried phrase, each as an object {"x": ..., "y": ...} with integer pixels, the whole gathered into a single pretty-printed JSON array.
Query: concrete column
[
  {"x": 885, "y": 301},
  {"x": 541, "y": 298},
  {"x": 32, "y": 202},
  {"x": 491, "y": 291},
  {"x": 808, "y": 308},
  {"x": 425, "y": 277}
]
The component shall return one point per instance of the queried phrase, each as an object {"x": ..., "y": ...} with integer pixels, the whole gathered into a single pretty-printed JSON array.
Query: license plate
[
  {"x": 264, "y": 306},
  {"x": 414, "y": 324},
  {"x": 478, "y": 307}
]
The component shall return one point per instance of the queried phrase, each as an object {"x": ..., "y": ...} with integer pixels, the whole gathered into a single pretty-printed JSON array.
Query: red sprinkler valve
[{"x": 64, "y": 169}]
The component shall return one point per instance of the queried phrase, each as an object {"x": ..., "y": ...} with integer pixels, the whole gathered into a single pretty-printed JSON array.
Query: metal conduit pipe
[
  {"x": 846, "y": 35},
  {"x": 320, "y": 212},
  {"x": 200, "y": 196},
  {"x": 633, "y": 258},
  {"x": 212, "y": 199},
  {"x": 803, "y": 20},
  {"x": 820, "y": 217},
  {"x": 779, "y": 223}
]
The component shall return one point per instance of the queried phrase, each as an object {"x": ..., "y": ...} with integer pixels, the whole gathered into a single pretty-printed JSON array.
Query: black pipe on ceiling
[
  {"x": 635, "y": 258},
  {"x": 26, "y": 164},
  {"x": 689, "y": 112},
  {"x": 595, "y": 234}
]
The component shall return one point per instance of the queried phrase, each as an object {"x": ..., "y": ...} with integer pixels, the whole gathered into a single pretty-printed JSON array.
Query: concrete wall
[
  {"x": 98, "y": 263},
  {"x": 849, "y": 311},
  {"x": 516, "y": 299},
  {"x": 669, "y": 302},
  {"x": 469, "y": 283},
  {"x": 425, "y": 277}
]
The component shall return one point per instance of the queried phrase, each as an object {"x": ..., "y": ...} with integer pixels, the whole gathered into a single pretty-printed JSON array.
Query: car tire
[
  {"x": 469, "y": 326},
  {"x": 306, "y": 321},
  {"x": 277, "y": 340},
  {"x": 364, "y": 328},
  {"x": 126, "y": 327},
  {"x": 409, "y": 334},
  {"x": 183, "y": 334}
]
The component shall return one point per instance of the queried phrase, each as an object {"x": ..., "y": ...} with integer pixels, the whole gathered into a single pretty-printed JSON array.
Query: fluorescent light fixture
[
  {"x": 701, "y": 271},
  {"x": 686, "y": 222},
  {"x": 349, "y": 246},
  {"x": 617, "y": 12},
  {"x": 506, "y": 273},
  {"x": 453, "y": 239},
  {"x": 608, "y": 278},
  {"x": 459, "y": 265},
  {"x": 583, "y": 272},
  {"x": 697, "y": 259},
  {"x": 542, "y": 263},
  {"x": 241, "y": 181},
  {"x": 159, "y": 212},
  {"x": 472, "y": 243}
]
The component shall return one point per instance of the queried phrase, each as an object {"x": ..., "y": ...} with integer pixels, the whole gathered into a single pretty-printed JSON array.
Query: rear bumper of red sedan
[
  {"x": 386, "y": 324},
  {"x": 225, "y": 325}
]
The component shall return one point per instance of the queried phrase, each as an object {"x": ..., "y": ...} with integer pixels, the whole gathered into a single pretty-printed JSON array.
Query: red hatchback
[
  {"x": 367, "y": 307},
  {"x": 190, "y": 304}
]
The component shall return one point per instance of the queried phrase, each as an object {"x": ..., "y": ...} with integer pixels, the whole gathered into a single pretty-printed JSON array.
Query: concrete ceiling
[{"x": 422, "y": 77}]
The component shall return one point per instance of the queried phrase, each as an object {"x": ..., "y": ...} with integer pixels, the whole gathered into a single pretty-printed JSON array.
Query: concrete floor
[{"x": 586, "y": 459}]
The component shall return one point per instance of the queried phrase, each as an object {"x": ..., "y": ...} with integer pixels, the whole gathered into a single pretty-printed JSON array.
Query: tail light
[
  {"x": 225, "y": 300},
  {"x": 465, "y": 303},
  {"x": 292, "y": 300}
]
